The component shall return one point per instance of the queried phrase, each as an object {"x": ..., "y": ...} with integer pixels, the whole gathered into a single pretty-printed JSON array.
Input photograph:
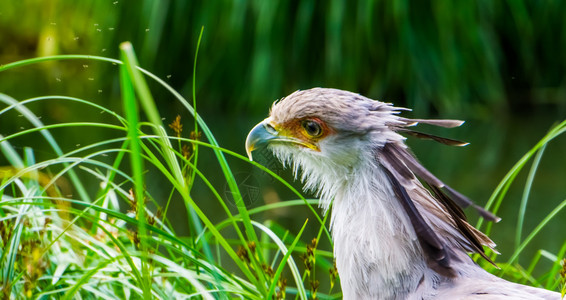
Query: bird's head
[{"x": 325, "y": 132}]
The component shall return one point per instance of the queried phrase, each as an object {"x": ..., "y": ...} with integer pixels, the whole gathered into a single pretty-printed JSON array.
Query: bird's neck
[{"x": 375, "y": 246}]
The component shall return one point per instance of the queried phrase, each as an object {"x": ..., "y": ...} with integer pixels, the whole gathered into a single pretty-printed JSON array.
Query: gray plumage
[{"x": 398, "y": 231}]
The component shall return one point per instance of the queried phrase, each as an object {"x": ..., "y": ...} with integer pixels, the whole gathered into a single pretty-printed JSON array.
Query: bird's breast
[{"x": 375, "y": 248}]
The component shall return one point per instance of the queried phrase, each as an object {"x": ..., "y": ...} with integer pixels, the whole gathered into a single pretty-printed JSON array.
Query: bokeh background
[{"x": 500, "y": 65}]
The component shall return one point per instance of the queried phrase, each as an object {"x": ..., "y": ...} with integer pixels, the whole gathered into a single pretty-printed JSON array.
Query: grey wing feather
[
  {"x": 404, "y": 155},
  {"x": 428, "y": 136},
  {"x": 435, "y": 122},
  {"x": 474, "y": 239},
  {"x": 402, "y": 176}
]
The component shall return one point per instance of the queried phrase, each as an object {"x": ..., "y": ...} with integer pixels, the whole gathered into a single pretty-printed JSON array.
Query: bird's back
[{"x": 486, "y": 286}]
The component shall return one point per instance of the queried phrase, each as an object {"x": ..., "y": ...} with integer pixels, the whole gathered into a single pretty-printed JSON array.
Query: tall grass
[
  {"x": 553, "y": 278},
  {"x": 67, "y": 239}
]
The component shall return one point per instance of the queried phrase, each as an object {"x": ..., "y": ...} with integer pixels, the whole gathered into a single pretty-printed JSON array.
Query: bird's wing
[
  {"x": 440, "y": 209},
  {"x": 428, "y": 239},
  {"x": 402, "y": 153}
]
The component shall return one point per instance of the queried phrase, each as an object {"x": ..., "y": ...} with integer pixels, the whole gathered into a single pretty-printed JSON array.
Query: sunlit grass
[
  {"x": 60, "y": 239},
  {"x": 110, "y": 244}
]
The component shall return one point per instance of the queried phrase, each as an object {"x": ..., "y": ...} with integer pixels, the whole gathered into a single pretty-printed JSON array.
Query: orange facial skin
[{"x": 294, "y": 130}]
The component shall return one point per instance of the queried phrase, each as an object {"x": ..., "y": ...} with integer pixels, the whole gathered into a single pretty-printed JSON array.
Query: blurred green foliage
[
  {"x": 464, "y": 59},
  {"x": 451, "y": 57}
]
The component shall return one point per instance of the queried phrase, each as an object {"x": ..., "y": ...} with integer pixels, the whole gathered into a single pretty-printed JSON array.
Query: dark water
[{"x": 496, "y": 144}]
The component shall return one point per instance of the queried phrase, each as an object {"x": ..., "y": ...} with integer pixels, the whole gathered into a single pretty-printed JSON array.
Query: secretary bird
[{"x": 398, "y": 231}]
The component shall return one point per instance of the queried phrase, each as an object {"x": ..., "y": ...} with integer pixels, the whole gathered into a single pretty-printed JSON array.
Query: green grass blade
[
  {"x": 500, "y": 191},
  {"x": 526, "y": 193},
  {"x": 285, "y": 260},
  {"x": 10, "y": 153},
  {"x": 35, "y": 60},
  {"x": 132, "y": 115},
  {"x": 50, "y": 139},
  {"x": 535, "y": 231},
  {"x": 195, "y": 150}
]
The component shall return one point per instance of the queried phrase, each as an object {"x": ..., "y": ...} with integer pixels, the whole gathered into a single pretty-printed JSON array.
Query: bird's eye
[{"x": 312, "y": 128}]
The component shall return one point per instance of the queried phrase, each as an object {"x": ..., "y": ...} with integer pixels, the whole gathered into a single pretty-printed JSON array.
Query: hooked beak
[
  {"x": 265, "y": 133},
  {"x": 259, "y": 136}
]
